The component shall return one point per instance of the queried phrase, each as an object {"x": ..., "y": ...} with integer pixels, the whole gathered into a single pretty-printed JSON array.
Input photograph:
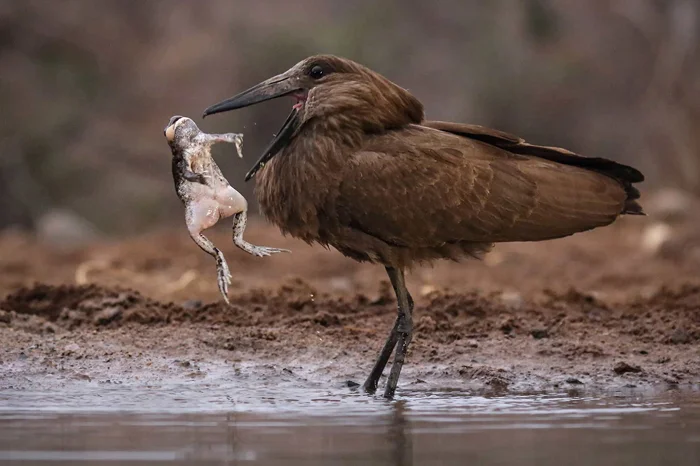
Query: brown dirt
[{"x": 598, "y": 310}]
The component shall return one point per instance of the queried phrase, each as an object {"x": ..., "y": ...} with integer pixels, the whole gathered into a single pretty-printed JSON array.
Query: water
[{"x": 199, "y": 424}]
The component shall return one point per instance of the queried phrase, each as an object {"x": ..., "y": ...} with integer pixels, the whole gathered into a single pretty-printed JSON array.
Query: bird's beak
[
  {"x": 277, "y": 86},
  {"x": 282, "y": 138}
]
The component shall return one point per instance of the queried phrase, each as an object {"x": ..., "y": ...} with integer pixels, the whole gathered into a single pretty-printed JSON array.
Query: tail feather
[{"x": 632, "y": 207}]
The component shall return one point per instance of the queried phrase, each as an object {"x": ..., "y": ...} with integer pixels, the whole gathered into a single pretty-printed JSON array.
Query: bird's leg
[
  {"x": 239, "y": 223},
  {"x": 404, "y": 329},
  {"x": 372, "y": 381},
  {"x": 200, "y": 216}
]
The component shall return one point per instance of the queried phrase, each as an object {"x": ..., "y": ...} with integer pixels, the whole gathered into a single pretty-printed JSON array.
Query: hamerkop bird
[{"x": 357, "y": 167}]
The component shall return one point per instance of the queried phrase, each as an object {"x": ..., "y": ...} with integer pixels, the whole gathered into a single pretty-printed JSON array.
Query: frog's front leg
[
  {"x": 240, "y": 220},
  {"x": 189, "y": 175},
  {"x": 231, "y": 138},
  {"x": 199, "y": 216}
]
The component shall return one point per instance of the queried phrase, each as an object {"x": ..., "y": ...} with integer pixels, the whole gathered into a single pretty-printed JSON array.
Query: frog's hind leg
[
  {"x": 240, "y": 220},
  {"x": 199, "y": 217}
]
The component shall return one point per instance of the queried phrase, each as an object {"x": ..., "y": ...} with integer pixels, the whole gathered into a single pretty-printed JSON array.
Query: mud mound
[
  {"x": 494, "y": 340},
  {"x": 72, "y": 306},
  {"x": 666, "y": 317},
  {"x": 591, "y": 307},
  {"x": 294, "y": 303}
]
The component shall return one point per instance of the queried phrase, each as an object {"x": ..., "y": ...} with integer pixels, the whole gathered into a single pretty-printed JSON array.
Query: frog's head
[
  {"x": 180, "y": 129},
  {"x": 183, "y": 134}
]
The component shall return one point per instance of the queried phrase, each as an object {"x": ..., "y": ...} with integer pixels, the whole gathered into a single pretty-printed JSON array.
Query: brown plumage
[{"x": 357, "y": 167}]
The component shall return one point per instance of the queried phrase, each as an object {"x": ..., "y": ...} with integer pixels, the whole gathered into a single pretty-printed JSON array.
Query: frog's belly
[
  {"x": 228, "y": 200},
  {"x": 194, "y": 192}
]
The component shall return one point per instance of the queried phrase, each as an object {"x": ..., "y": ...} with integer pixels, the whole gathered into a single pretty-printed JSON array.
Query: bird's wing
[
  {"x": 625, "y": 174},
  {"x": 419, "y": 187},
  {"x": 518, "y": 145}
]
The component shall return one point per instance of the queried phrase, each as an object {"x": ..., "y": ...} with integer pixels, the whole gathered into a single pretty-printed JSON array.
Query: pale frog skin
[{"x": 206, "y": 194}]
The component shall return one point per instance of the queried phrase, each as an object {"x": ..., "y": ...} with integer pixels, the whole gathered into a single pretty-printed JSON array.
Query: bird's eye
[{"x": 316, "y": 71}]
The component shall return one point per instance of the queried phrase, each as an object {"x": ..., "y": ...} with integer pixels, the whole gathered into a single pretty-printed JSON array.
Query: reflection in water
[
  {"x": 350, "y": 428},
  {"x": 398, "y": 436}
]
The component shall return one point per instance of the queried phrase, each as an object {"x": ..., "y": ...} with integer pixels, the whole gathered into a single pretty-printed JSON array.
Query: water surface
[{"x": 200, "y": 424}]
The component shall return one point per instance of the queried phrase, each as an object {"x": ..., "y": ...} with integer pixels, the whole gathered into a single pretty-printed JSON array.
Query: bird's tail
[{"x": 632, "y": 207}]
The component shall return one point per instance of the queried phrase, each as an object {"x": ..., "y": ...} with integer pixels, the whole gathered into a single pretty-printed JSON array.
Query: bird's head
[{"x": 324, "y": 87}]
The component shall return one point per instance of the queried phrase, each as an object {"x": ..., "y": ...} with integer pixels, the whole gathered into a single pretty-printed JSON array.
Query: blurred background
[{"x": 87, "y": 87}]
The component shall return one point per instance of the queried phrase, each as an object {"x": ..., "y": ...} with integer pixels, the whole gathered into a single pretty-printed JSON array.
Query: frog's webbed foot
[
  {"x": 239, "y": 223},
  {"x": 223, "y": 276},
  {"x": 232, "y": 138},
  {"x": 260, "y": 251}
]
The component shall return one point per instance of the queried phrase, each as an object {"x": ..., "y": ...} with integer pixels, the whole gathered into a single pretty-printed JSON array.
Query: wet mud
[{"x": 616, "y": 307}]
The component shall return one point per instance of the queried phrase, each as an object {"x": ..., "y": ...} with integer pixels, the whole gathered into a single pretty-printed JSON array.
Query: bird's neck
[{"x": 295, "y": 189}]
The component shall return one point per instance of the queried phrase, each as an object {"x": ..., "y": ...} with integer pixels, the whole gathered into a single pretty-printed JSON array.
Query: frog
[{"x": 206, "y": 194}]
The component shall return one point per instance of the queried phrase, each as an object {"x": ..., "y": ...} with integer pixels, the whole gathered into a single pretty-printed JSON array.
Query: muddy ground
[{"x": 615, "y": 307}]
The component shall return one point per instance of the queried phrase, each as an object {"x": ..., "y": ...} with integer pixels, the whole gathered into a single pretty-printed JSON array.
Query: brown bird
[{"x": 357, "y": 167}]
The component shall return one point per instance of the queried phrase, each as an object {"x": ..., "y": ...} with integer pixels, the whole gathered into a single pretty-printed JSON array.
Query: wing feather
[
  {"x": 626, "y": 175},
  {"x": 422, "y": 187}
]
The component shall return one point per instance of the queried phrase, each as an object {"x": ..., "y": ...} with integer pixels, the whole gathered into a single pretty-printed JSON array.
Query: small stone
[
  {"x": 507, "y": 325},
  {"x": 107, "y": 315},
  {"x": 385, "y": 294},
  {"x": 48, "y": 327},
  {"x": 341, "y": 284},
  {"x": 623, "y": 368},
  {"x": 71, "y": 348},
  {"x": 574, "y": 381},
  {"x": 539, "y": 333},
  {"x": 656, "y": 236},
  {"x": 5, "y": 316},
  {"x": 498, "y": 383},
  {"x": 512, "y": 299},
  {"x": 65, "y": 229},
  {"x": 192, "y": 304},
  {"x": 680, "y": 336},
  {"x": 352, "y": 384},
  {"x": 326, "y": 319},
  {"x": 427, "y": 289},
  {"x": 670, "y": 204},
  {"x": 426, "y": 324}
]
